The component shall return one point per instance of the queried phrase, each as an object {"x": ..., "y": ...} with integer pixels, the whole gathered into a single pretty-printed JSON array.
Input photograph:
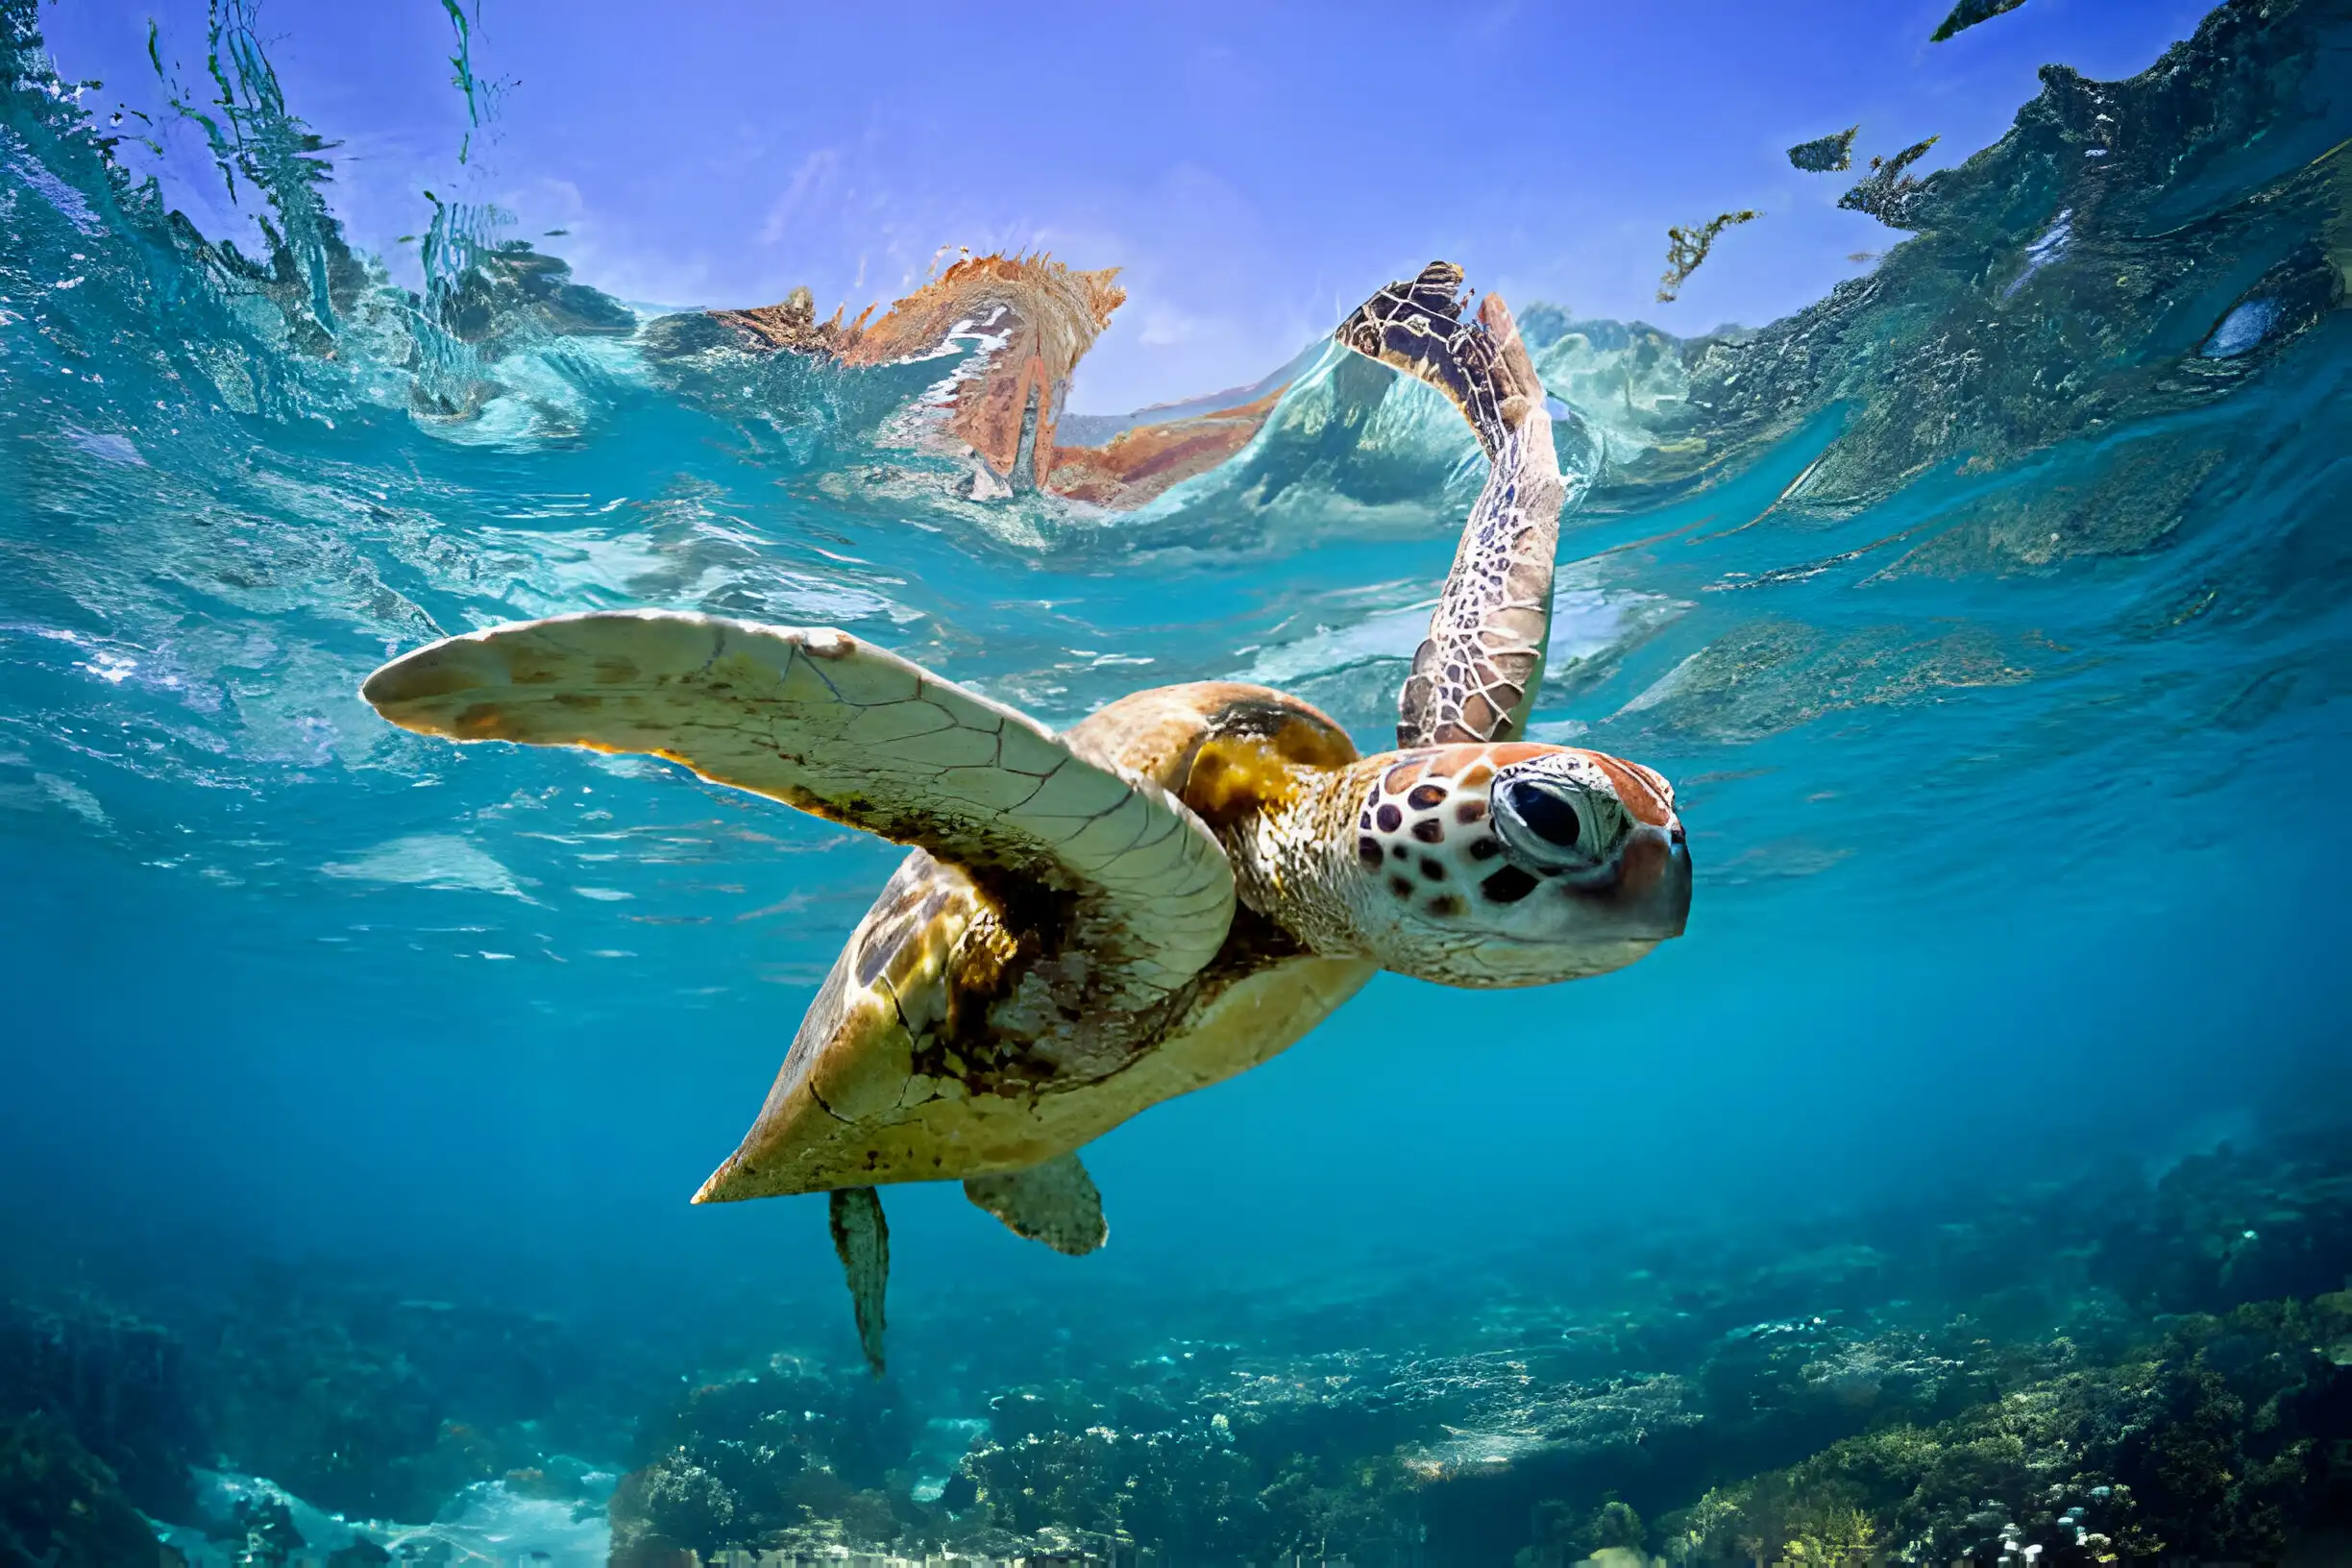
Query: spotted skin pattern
[
  {"x": 1475, "y": 676},
  {"x": 1399, "y": 857}
]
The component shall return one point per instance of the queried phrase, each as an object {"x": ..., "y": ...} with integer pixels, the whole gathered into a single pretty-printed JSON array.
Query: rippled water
[{"x": 1991, "y": 616}]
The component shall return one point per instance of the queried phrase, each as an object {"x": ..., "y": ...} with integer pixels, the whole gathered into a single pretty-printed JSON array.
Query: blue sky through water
[{"x": 1255, "y": 170}]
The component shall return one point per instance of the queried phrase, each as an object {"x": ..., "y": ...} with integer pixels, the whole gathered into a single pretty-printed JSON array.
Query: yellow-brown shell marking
[{"x": 946, "y": 1042}]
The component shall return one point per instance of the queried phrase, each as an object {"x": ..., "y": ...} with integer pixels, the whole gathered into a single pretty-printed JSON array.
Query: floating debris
[
  {"x": 1882, "y": 193},
  {"x": 1826, "y": 154},
  {"x": 1687, "y": 248},
  {"x": 1967, "y": 14}
]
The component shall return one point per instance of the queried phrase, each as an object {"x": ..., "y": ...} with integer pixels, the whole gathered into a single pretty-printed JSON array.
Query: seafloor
[{"x": 2108, "y": 1368}]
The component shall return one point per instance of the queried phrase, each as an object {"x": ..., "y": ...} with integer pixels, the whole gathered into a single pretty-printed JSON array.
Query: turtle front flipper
[
  {"x": 1056, "y": 1203},
  {"x": 861, "y": 1239},
  {"x": 1475, "y": 676},
  {"x": 852, "y": 733}
]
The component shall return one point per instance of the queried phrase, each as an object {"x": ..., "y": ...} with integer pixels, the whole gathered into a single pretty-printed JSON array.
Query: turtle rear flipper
[
  {"x": 1475, "y": 676},
  {"x": 1056, "y": 1203},
  {"x": 849, "y": 732},
  {"x": 861, "y": 1239}
]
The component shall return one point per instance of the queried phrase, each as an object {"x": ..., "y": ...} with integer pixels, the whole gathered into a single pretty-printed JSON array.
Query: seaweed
[
  {"x": 1687, "y": 248},
  {"x": 1884, "y": 191}
]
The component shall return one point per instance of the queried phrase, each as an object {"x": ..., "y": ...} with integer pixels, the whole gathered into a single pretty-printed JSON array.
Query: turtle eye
[
  {"x": 1550, "y": 825},
  {"x": 1554, "y": 818}
]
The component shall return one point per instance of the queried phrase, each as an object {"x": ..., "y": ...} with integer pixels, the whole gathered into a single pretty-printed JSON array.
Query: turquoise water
[{"x": 1991, "y": 616}]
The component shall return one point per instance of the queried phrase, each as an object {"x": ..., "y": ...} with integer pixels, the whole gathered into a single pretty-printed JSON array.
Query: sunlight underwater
[{"x": 1989, "y": 617}]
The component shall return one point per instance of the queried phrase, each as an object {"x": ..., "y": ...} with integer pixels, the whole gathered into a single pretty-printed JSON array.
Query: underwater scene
[{"x": 1524, "y": 939}]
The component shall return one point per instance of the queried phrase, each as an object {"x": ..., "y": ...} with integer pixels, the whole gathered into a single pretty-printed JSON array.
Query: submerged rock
[
  {"x": 60, "y": 1506},
  {"x": 121, "y": 1384},
  {"x": 511, "y": 284}
]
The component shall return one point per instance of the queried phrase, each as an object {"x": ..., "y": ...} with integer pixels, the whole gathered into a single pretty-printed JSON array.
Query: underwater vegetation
[{"x": 1687, "y": 248}]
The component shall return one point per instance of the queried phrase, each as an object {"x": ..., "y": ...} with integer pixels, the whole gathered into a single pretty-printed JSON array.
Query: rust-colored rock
[
  {"x": 1039, "y": 317},
  {"x": 1141, "y": 462},
  {"x": 1045, "y": 314}
]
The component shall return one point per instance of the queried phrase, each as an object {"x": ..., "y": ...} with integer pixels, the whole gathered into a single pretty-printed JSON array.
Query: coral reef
[
  {"x": 361, "y": 1402},
  {"x": 261, "y": 1534},
  {"x": 2109, "y": 1367},
  {"x": 2223, "y": 1441},
  {"x": 2104, "y": 1369},
  {"x": 790, "y": 1455},
  {"x": 1244, "y": 1472},
  {"x": 384, "y": 1409}
]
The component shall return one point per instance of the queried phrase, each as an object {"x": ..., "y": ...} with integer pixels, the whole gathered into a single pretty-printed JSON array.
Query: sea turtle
[{"x": 1164, "y": 894}]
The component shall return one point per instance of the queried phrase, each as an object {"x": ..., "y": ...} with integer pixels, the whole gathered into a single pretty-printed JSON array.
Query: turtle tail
[
  {"x": 861, "y": 1236},
  {"x": 1480, "y": 364}
]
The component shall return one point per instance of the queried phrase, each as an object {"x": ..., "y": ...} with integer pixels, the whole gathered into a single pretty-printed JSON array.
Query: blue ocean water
[{"x": 1990, "y": 616}]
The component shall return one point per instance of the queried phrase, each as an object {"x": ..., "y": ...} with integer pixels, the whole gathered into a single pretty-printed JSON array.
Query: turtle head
[{"x": 1516, "y": 865}]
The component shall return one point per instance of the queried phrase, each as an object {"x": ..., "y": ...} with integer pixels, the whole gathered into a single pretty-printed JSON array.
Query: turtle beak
[{"x": 1649, "y": 900}]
